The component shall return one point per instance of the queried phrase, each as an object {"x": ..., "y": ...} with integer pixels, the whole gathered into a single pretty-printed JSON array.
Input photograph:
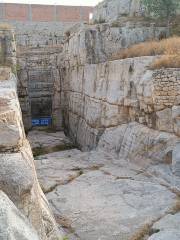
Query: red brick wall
[
  {"x": 68, "y": 13},
  {"x": 45, "y": 13},
  {"x": 42, "y": 13},
  {"x": 85, "y": 13},
  {"x": 16, "y": 11}
]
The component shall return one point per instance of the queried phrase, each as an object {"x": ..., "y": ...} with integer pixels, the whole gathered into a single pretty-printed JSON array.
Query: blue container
[{"x": 46, "y": 121}]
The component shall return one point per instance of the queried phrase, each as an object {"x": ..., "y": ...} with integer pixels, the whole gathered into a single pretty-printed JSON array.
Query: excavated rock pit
[
  {"x": 96, "y": 195},
  {"x": 126, "y": 116},
  {"x": 116, "y": 173}
]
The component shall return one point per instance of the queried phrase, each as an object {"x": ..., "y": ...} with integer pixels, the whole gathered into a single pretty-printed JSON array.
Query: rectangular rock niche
[{"x": 40, "y": 85}]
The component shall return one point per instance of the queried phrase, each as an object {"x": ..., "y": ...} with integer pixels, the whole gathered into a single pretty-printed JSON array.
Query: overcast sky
[{"x": 58, "y": 2}]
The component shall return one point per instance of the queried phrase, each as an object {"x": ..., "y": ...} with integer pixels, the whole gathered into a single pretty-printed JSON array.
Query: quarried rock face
[
  {"x": 103, "y": 195},
  {"x": 135, "y": 141},
  {"x": 96, "y": 43},
  {"x": 113, "y": 9},
  {"x": 7, "y": 47},
  {"x": 38, "y": 79},
  {"x": 17, "y": 173},
  {"x": 38, "y": 47},
  {"x": 119, "y": 92},
  {"x": 176, "y": 160},
  {"x": 13, "y": 224}
]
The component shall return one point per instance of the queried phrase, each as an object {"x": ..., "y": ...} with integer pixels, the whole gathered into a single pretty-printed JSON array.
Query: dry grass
[
  {"x": 167, "y": 61},
  {"x": 176, "y": 208},
  {"x": 169, "y": 48},
  {"x": 5, "y": 26}
]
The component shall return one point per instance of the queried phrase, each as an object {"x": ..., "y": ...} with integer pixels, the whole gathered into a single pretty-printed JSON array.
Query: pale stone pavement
[{"x": 96, "y": 196}]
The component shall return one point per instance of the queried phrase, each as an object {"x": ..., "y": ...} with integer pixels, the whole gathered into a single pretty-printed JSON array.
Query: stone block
[{"x": 176, "y": 160}]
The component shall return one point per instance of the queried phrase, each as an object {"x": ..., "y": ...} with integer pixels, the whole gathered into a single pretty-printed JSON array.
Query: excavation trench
[
  {"x": 122, "y": 114},
  {"x": 93, "y": 195},
  {"x": 97, "y": 194},
  {"x": 122, "y": 187}
]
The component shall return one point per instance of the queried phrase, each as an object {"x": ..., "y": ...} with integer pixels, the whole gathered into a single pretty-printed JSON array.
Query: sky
[{"x": 58, "y": 2}]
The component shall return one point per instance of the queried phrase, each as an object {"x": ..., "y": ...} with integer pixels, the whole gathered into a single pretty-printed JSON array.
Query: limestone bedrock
[
  {"x": 13, "y": 224},
  {"x": 120, "y": 191},
  {"x": 124, "y": 115},
  {"x": 18, "y": 177},
  {"x": 95, "y": 195}
]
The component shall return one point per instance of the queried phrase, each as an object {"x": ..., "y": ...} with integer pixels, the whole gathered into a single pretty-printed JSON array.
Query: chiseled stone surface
[
  {"x": 115, "y": 93},
  {"x": 38, "y": 83},
  {"x": 13, "y": 225},
  {"x": 38, "y": 47},
  {"x": 176, "y": 159},
  {"x": 166, "y": 235},
  {"x": 48, "y": 139},
  {"x": 117, "y": 191},
  {"x": 96, "y": 43},
  {"x": 17, "y": 173},
  {"x": 99, "y": 206},
  {"x": 95, "y": 195},
  {"x": 168, "y": 228},
  {"x": 135, "y": 140}
]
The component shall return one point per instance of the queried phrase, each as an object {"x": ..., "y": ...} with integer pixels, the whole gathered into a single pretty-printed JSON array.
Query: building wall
[{"x": 44, "y": 13}]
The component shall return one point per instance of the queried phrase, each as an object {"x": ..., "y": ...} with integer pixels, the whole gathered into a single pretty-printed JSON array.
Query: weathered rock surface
[
  {"x": 96, "y": 43},
  {"x": 135, "y": 141},
  {"x": 118, "y": 92},
  {"x": 128, "y": 114},
  {"x": 39, "y": 34},
  {"x": 38, "y": 83},
  {"x": 120, "y": 191},
  {"x": 168, "y": 228},
  {"x": 48, "y": 141},
  {"x": 113, "y": 9},
  {"x": 17, "y": 173},
  {"x": 13, "y": 225},
  {"x": 95, "y": 195},
  {"x": 39, "y": 47},
  {"x": 176, "y": 160}
]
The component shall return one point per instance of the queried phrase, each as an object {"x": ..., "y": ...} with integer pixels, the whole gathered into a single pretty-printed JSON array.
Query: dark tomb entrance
[{"x": 40, "y": 92}]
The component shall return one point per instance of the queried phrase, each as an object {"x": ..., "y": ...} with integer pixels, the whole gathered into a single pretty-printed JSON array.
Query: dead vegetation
[
  {"x": 167, "y": 61},
  {"x": 5, "y": 26},
  {"x": 37, "y": 151},
  {"x": 168, "y": 48}
]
